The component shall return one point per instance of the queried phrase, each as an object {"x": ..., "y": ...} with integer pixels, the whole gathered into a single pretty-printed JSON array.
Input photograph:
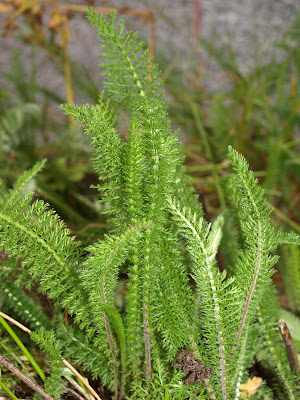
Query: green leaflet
[
  {"x": 22, "y": 184},
  {"x": 28, "y": 175},
  {"x": 118, "y": 327},
  {"x": 99, "y": 277}
]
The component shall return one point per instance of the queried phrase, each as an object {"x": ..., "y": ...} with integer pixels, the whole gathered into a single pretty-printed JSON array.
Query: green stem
[
  {"x": 33, "y": 70},
  {"x": 208, "y": 167},
  {"x": 256, "y": 274},
  {"x": 111, "y": 343},
  {"x": 286, "y": 219},
  {"x": 146, "y": 293},
  {"x": 23, "y": 348},
  {"x": 289, "y": 144},
  {"x": 134, "y": 319},
  {"x": 240, "y": 366},
  {"x": 5, "y": 388}
]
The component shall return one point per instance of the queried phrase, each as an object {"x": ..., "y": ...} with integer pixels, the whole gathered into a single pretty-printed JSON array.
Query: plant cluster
[{"x": 184, "y": 330}]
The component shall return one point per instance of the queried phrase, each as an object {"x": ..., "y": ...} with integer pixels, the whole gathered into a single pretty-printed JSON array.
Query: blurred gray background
[{"x": 249, "y": 26}]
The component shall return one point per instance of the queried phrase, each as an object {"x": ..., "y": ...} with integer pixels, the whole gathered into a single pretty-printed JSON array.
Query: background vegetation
[{"x": 257, "y": 113}]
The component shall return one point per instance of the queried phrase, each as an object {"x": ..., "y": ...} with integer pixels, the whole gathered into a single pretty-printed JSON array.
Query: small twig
[
  {"x": 88, "y": 396},
  {"x": 29, "y": 382},
  {"x": 208, "y": 153},
  {"x": 14, "y": 322},
  {"x": 74, "y": 393},
  {"x": 289, "y": 345},
  {"x": 65, "y": 362},
  {"x": 81, "y": 378}
]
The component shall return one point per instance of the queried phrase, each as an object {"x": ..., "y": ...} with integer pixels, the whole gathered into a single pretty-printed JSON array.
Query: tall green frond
[
  {"x": 129, "y": 72},
  {"x": 220, "y": 303},
  {"x": 99, "y": 278},
  {"x": 254, "y": 266},
  {"x": 98, "y": 121},
  {"x": 100, "y": 272},
  {"x": 170, "y": 299}
]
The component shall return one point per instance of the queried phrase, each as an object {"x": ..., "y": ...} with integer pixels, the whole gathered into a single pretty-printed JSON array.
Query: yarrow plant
[{"x": 173, "y": 338}]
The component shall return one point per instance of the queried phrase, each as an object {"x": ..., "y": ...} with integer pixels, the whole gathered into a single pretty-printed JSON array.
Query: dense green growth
[{"x": 179, "y": 309}]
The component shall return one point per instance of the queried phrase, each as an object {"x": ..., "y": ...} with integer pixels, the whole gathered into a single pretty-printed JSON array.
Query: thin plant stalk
[
  {"x": 64, "y": 37},
  {"x": 81, "y": 378},
  {"x": 25, "y": 378},
  {"x": 208, "y": 154},
  {"x": 286, "y": 219},
  {"x": 33, "y": 73},
  {"x": 9, "y": 392},
  {"x": 23, "y": 348},
  {"x": 208, "y": 167}
]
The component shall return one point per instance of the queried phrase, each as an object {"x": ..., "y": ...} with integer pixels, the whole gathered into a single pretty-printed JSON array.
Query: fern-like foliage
[
  {"x": 268, "y": 317},
  {"x": 35, "y": 234},
  {"x": 21, "y": 304},
  {"x": 227, "y": 307},
  {"x": 143, "y": 182},
  {"x": 255, "y": 262},
  {"x": 146, "y": 167},
  {"x": 47, "y": 341},
  {"x": 216, "y": 293},
  {"x": 130, "y": 73},
  {"x": 98, "y": 121}
]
